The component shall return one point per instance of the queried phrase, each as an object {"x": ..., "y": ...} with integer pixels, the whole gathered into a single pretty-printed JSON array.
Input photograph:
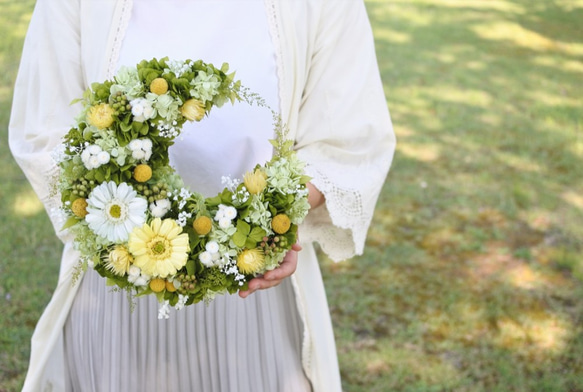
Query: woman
[{"x": 314, "y": 61}]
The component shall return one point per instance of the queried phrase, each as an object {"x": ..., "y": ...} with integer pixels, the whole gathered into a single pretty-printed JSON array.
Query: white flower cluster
[
  {"x": 229, "y": 183},
  {"x": 93, "y": 156},
  {"x": 159, "y": 208},
  {"x": 164, "y": 309},
  {"x": 240, "y": 196},
  {"x": 137, "y": 277},
  {"x": 166, "y": 129},
  {"x": 141, "y": 149},
  {"x": 142, "y": 109},
  {"x": 211, "y": 256},
  {"x": 183, "y": 217},
  {"x": 181, "y": 197},
  {"x": 225, "y": 216}
]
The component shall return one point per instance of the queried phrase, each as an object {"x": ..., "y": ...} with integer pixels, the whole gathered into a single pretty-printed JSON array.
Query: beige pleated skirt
[{"x": 231, "y": 345}]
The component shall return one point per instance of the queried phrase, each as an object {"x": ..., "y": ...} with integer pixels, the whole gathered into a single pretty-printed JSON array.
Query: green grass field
[{"x": 473, "y": 275}]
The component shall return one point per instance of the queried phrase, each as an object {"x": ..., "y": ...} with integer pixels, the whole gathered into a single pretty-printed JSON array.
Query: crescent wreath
[{"x": 132, "y": 218}]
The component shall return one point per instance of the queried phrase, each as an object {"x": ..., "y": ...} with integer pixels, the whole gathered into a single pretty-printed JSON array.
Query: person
[{"x": 314, "y": 61}]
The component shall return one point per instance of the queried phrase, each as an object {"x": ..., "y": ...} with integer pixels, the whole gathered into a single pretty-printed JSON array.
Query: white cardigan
[{"x": 331, "y": 97}]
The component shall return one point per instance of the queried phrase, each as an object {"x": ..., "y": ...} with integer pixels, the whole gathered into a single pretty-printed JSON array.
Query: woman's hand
[
  {"x": 274, "y": 277},
  {"x": 290, "y": 262}
]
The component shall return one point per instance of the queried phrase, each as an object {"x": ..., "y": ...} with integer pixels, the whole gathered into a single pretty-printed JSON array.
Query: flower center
[
  {"x": 158, "y": 247},
  {"x": 115, "y": 211}
]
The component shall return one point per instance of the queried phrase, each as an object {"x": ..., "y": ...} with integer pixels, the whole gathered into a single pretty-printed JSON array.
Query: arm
[{"x": 49, "y": 78}]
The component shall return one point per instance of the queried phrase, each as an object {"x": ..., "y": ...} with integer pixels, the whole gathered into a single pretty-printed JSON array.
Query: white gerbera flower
[{"x": 113, "y": 211}]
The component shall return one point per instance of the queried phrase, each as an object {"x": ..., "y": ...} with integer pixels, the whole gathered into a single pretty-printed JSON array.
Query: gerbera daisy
[
  {"x": 160, "y": 248},
  {"x": 113, "y": 211}
]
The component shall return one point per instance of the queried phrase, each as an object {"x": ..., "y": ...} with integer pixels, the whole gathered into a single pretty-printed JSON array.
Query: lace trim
[
  {"x": 122, "y": 25},
  {"x": 341, "y": 226},
  {"x": 274, "y": 29}
]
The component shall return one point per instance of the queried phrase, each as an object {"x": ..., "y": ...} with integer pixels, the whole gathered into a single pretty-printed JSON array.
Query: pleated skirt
[{"x": 231, "y": 345}]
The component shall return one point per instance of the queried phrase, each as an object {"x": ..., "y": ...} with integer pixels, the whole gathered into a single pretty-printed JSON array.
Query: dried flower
[
  {"x": 193, "y": 110},
  {"x": 159, "y": 86},
  {"x": 280, "y": 223},
  {"x": 255, "y": 182},
  {"x": 251, "y": 261},
  {"x": 142, "y": 173}
]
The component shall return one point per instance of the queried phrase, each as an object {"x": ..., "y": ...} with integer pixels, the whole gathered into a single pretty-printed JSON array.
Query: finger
[
  {"x": 286, "y": 268},
  {"x": 274, "y": 277}
]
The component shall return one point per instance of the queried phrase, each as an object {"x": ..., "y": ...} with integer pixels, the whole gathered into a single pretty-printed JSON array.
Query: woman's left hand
[{"x": 274, "y": 277}]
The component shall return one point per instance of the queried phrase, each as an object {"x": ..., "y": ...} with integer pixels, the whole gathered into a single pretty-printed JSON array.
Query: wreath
[{"x": 132, "y": 218}]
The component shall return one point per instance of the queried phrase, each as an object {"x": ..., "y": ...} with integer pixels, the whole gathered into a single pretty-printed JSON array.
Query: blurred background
[{"x": 473, "y": 275}]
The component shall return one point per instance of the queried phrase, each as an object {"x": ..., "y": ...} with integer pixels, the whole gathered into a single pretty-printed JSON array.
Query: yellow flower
[
  {"x": 170, "y": 286},
  {"x": 157, "y": 285},
  {"x": 79, "y": 207},
  {"x": 251, "y": 261},
  {"x": 100, "y": 116},
  {"x": 202, "y": 225},
  {"x": 159, "y": 248},
  {"x": 119, "y": 260},
  {"x": 280, "y": 223},
  {"x": 255, "y": 182},
  {"x": 159, "y": 86},
  {"x": 142, "y": 173},
  {"x": 193, "y": 110}
]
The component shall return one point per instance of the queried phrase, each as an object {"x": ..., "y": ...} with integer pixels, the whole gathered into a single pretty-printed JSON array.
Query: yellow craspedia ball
[
  {"x": 280, "y": 223},
  {"x": 79, "y": 207},
  {"x": 202, "y": 225},
  {"x": 159, "y": 86},
  {"x": 193, "y": 110},
  {"x": 170, "y": 287},
  {"x": 157, "y": 285},
  {"x": 100, "y": 116},
  {"x": 142, "y": 173},
  {"x": 251, "y": 261},
  {"x": 255, "y": 181}
]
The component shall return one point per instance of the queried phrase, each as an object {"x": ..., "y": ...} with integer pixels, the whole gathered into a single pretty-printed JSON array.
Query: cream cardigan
[{"x": 331, "y": 98}]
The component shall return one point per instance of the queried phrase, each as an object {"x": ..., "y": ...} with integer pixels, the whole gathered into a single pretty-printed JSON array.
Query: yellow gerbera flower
[{"x": 159, "y": 248}]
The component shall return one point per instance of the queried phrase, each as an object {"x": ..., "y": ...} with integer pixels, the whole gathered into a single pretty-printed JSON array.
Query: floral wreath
[{"x": 130, "y": 214}]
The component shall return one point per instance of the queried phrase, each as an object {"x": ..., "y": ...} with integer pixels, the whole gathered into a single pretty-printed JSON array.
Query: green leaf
[
  {"x": 257, "y": 234},
  {"x": 239, "y": 239},
  {"x": 72, "y": 221}
]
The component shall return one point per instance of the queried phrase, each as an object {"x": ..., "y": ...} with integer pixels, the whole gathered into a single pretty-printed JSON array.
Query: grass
[{"x": 473, "y": 275}]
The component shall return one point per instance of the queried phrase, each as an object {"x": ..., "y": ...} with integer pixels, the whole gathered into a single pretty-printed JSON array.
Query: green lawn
[{"x": 473, "y": 275}]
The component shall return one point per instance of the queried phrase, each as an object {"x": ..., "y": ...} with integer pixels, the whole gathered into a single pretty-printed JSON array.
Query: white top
[{"x": 234, "y": 138}]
